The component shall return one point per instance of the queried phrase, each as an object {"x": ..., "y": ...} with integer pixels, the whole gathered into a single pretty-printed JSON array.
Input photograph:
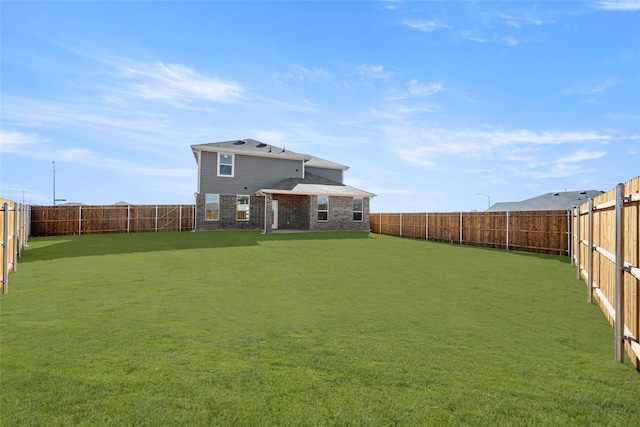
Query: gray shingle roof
[
  {"x": 547, "y": 202},
  {"x": 256, "y": 148},
  {"x": 314, "y": 184}
]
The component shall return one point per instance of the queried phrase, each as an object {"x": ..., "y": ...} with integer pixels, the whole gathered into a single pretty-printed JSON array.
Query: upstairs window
[
  {"x": 323, "y": 208},
  {"x": 357, "y": 208},
  {"x": 225, "y": 164},
  {"x": 242, "y": 210},
  {"x": 212, "y": 207}
]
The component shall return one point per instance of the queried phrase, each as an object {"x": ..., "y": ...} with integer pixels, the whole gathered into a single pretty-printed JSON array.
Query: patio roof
[{"x": 313, "y": 184}]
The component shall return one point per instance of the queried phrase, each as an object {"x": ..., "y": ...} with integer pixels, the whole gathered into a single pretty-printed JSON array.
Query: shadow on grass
[{"x": 50, "y": 248}]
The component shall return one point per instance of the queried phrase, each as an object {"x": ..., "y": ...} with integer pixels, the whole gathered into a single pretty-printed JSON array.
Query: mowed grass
[{"x": 240, "y": 328}]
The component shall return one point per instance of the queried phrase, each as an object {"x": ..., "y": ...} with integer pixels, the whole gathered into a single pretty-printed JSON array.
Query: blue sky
[{"x": 429, "y": 103}]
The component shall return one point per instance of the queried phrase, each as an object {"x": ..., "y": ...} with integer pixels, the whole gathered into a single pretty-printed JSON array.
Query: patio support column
[{"x": 267, "y": 212}]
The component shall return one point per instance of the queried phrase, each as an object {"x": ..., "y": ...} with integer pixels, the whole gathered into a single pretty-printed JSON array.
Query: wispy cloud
[
  {"x": 621, "y": 5},
  {"x": 176, "y": 82},
  {"x": 429, "y": 148},
  {"x": 472, "y": 36},
  {"x": 510, "y": 41},
  {"x": 581, "y": 155},
  {"x": 591, "y": 90},
  {"x": 520, "y": 21},
  {"x": 417, "y": 89},
  {"x": 374, "y": 71},
  {"x": 313, "y": 75},
  {"x": 13, "y": 141},
  {"x": 425, "y": 26}
]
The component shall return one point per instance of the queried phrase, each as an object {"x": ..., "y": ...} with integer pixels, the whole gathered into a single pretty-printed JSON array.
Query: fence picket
[
  {"x": 608, "y": 237},
  {"x": 58, "y": 220},
  {"x": 536, "y": 231}
]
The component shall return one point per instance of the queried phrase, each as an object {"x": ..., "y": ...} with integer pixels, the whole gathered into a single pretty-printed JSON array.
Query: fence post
[
  {"x": 5, "y": 252},
  {"x": 156, "y": 218},
  {"x": 128, "y": 217},
  {"x": 80, "y": 219},
  {"x": 16, "y": 243},
  {"x": 180, "y": 218},
  {"x": 619, "y": 280},
  {"x": 401, "y": 225},
  {"x": 380, "y": 230},
  {"x": 577, "y": 242},
  {"x": 569, "y": 238},
  {"x": 426, "y": 231},
  {"x": 460, "y": 227},
  {"x": 507, "y": 230},
  {"x": 590, "y": 254}
]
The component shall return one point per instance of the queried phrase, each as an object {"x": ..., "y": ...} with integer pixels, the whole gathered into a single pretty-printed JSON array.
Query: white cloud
[
  {"x": 374, "y": 71},
  {"x": 468, "y": 35},
  {"x": 12, "y": 141},
  {"x": 520, "y": 21},
  {"x": 425, "y": 26},
  {"x": 419, "y": 89},
  {"x": 580, "y": 156},
  {"x": 160, "y": 81},
  {"x": 431, "y": 148},
  {"x": 510, "y": 41},
  {"x": 591, "y": 90},
  {"x": 621, "y": 5},
  {"x": 313, "y": 75}
]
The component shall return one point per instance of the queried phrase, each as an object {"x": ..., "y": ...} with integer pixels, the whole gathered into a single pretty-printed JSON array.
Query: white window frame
[
  {"x": 220, "y": 164},
  {"x": 217, "y": 212},
  {"x": 320, "y": 211},
  {"x": 245, "y": 210},
  {"x": 361, "y": 211}
]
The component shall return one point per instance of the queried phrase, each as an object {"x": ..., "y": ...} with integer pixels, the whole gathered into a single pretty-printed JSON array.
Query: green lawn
[{"x": 240, "y": 328}]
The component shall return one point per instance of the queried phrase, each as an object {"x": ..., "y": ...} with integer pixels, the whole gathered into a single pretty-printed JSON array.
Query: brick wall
[
  {"x": 294, "y": 213},
  {"x": 227, "y": 219},
  {"x": 340, "y": 215}
]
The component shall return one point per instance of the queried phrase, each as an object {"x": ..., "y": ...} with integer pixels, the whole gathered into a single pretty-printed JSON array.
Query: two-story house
[{"x": 247, "y": 184}]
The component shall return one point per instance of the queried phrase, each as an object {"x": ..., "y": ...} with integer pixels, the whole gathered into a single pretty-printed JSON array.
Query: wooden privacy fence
[
  {"x": 14, "y": 233},
  {"x": 65, "y": 220},
  {"x": 607, "y": 255},
  {"x": 534, "y": 231}
]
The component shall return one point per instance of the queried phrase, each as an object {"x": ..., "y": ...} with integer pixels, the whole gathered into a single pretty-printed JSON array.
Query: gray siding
[
  {"x": 332, "y": 174},
  {"x": 250, "y": 174}
]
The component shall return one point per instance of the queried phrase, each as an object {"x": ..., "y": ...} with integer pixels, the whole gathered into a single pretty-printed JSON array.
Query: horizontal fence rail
[
  {"x": 531, "y": 231},
  {"x": 14, "y": 234},
  {"x": 66, "y": 220},
  {"x": 606, "y": 253}
]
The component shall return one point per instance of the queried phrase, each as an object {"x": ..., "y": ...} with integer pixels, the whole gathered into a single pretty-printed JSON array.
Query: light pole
[
  {"x": 488, "y": 199},
  {"x": 54, "y": 182}
]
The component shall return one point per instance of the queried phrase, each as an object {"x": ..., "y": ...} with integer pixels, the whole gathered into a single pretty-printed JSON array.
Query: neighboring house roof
[
  {"x": 251, "y": 147},
  {"x": 547, "y": 202},
  {"x": 316, "y": 185}
]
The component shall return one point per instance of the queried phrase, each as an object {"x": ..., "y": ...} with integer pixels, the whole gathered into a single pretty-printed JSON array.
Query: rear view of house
[{"x": 247, "y": 184}]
